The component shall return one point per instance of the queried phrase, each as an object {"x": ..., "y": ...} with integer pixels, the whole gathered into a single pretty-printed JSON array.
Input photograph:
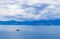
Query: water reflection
[
  {"x": 38, "y": 32},
  {"x": 28, "y": 35}
]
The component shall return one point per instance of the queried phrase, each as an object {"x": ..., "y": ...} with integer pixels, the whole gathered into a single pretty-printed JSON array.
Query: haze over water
[{"x": 29, "y": 32}]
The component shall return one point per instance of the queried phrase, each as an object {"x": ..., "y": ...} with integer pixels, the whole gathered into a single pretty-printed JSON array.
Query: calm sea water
[{"x": 30, "y": 32}]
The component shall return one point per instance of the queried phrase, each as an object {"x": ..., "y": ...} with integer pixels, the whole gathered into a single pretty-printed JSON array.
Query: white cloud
[{"x": 18, "y": 11}]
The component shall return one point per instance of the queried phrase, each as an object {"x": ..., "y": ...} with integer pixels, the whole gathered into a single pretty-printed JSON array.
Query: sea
[{"x": 29, "y": 32}]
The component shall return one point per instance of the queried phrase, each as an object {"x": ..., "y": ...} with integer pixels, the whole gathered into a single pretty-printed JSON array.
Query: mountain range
[{"x": 35, "y": 22}]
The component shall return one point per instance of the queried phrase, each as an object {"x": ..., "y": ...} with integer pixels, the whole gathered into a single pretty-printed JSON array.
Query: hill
[{"x": 35, "y": 22}]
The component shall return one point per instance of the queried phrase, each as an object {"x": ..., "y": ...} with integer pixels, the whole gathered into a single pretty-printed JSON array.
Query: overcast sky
[{"x": 20, "y": 10}]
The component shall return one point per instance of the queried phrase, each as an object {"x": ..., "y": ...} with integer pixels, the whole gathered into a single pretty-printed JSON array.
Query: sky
[{"x": 22, "y": 10}]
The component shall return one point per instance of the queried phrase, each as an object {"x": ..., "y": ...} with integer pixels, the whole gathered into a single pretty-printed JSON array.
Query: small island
[{"x": 17, "y": 30}]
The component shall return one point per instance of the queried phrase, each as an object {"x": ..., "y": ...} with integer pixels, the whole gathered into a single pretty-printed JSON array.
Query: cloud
[
  {"x": 53, "y": 12},
  {"x": 29, "y": 9}
]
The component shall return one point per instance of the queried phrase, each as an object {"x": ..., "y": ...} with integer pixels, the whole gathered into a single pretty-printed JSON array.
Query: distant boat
[{"x": 17, "y": 30}]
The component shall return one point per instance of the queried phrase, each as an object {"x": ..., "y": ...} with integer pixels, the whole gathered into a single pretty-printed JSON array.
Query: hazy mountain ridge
[{"x": 35, "y": 22}]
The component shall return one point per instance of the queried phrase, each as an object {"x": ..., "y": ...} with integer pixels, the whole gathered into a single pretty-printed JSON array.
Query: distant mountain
[{"x": 35, "y": 22}]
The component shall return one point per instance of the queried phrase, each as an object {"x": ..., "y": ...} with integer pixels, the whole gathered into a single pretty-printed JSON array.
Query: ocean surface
[{"x": 29, "y": 32}]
